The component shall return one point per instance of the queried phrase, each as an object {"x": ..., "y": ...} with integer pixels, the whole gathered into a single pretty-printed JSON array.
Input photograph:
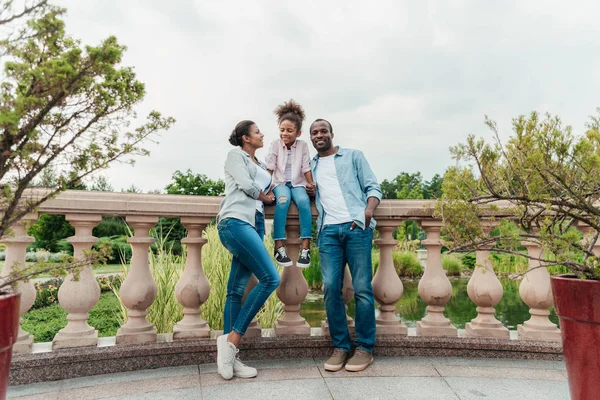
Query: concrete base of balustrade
[
  {"x": 128, "y": 337},
  {"x": 473, "y": 330},
  {"x": 254, "y": 331},
  {"x": 46, "y": 365},
  {"x": 282, "y": 329},
  {"x": 526, "y": 333},
  {"x": 436, "y": 331},
  {"x": 392, "y": 330},
  {"x": 325, "y": 327},
  {"x": 67, "y": 341},
  {"x": 23, "y": 346}
]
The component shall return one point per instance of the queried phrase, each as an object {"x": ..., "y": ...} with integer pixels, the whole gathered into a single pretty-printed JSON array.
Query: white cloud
[{"x": 401, "y": 80}]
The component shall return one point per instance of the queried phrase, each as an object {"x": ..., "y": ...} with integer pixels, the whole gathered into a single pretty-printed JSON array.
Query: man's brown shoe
[
  {"x": 359, "y": 361},
  {"x": 336, "y": 361}
]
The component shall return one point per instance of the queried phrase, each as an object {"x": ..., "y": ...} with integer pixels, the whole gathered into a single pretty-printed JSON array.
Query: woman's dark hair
[
  {"x": 241, "y": 129},
  {"x": 290, "y": 111}
]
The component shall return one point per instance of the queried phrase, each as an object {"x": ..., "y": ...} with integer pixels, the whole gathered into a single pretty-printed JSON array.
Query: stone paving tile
[
  {"x": 42, "y": 396},
  {"x": 131, "y": 388},
  {"x": 129, "y": 376},
  {"x": 414, "y": 388},
  {"x": 266, "y": 375},
  {"x": 266, "y": 364},
  {"x": 179, "y": 394},
  {"x": 33, "y": 389},
  {"x": 507, "y": 389},
  {"x": 377, "y": 369},
  {"x": 306, "y": 389},
  {"x": 497, "y": 362},
  {"x": 496, "y": 373}
]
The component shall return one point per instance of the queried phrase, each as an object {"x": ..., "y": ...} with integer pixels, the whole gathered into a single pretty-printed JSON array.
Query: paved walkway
[{"x": 305, "y": 379}]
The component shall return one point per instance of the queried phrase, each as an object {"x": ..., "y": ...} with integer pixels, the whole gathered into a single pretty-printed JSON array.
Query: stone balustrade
[{"x": 77, "y": 296}]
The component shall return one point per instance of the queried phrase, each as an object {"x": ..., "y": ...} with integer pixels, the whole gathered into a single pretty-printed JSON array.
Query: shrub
[
  {"x": 313, "y": 274},
  {"x": 2, "y": 256},
  {"x": 47, "y": 293},
  {"x": 120, "y": 248},
  {"x": 407, "y": 264},
  {"x": 468, "y": 260},
  {"x": 452, "y": 265}
]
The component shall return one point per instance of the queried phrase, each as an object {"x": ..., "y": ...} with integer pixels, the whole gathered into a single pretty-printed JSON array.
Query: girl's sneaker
[
  {"x": 304, "y": 258},
  {"x": 282, "y": 258}
]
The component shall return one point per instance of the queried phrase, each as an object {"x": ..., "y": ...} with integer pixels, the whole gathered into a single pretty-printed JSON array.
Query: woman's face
[
  {"x": 254, "y": 138},
  {"x": 288, "y": 132}
]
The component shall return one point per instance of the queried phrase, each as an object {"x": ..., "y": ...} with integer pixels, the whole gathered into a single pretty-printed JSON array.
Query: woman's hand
[{"x": 268, "y": 198}]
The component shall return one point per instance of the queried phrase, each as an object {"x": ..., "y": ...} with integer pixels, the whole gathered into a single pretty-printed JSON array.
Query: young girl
[{"x": 289, "y": 163}]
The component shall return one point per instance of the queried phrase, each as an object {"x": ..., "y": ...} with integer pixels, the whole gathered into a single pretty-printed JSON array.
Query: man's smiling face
[{"x": 321, "y": 136}]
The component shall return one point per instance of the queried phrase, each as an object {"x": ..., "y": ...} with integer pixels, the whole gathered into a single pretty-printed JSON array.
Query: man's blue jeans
[
  {"x": 339, "y": 245},
  {"x": 249, "y": 257},
  {"x": 284, "y": 193}
]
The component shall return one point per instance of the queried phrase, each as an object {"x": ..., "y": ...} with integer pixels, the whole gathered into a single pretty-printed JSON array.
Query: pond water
[{"x": 511, "y": 311}]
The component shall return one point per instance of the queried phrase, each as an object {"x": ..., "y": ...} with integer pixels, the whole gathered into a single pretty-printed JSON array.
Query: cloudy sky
[{"x": 400, "y": 80}]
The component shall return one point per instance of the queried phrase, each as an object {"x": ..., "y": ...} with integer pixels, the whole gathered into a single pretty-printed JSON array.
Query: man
[{"x": 347, "y": 194}]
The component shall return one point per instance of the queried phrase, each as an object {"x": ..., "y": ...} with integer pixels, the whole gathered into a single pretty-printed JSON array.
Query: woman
[{"x": 246, "y": 181}]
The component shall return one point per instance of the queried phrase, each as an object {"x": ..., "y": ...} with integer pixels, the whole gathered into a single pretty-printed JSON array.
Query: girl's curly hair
[{"x": 290, "y": 111}]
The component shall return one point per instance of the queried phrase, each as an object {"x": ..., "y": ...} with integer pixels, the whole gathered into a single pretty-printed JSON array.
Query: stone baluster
[
  {"x": 193, "y": 288},
  {"x": 138, "y": 291},
  {"x": 486, "y": 291},
  {"x": 387, "y": 286},
  {"x": 536, "y": 292},
  {"x": 293, "y": 288},
  {"x": 347, "y": 295},
  {"x": 80, "y": 292},
  {"x": 16, "y": 243},
  {"x": 254, "y": 330},
  {"x": 589, "y": 231},
  {"x": 434, "y": 287}
]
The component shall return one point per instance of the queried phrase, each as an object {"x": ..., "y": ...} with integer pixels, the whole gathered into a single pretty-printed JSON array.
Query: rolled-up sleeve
[
  {"x": 305, "y": 159},
  {"x": 366, "y": 177},
  {"x": 272, "y": 156},
  {"x": 237, "y": 168}
]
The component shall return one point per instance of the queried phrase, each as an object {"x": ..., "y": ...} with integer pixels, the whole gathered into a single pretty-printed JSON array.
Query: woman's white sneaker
[
  {"x": 226, "y": 353},
  {"x": 241, "y": 370}
]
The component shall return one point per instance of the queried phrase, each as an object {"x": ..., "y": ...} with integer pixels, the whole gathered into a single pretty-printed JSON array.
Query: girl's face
[
  {"x": 288, "y": 132},
  {"x": 254, "y": 138}
]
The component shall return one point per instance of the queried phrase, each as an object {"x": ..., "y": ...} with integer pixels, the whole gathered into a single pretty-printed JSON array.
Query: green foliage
[
  {"x": 411, "y": 186},
  {"x": 48, "y": 230},
  {"x": 111, "y": 226},
  {"x": 313, "y": 274},
  {"x": 469, "y": 260},
  {"x": 64, "y": 106},
  {"x": 544, "y": 177},
  {"x": 119, "y": 248},
  {"x": 407, "y": 264},
  {"x": 195, "y": 184},
  {"x": 452, "y": 265}
]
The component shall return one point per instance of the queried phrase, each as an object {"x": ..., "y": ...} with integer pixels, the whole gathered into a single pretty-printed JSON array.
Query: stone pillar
[
  {"x": 138, "y": 291},
  {"x": 422, "y": 257},
  {"x": 16, "y": 243},
  {"x": 434, "y": 287},
  {"x": 387, "y": 286},
  {"x": 347, "y": 295},
  {"x": 293, "y": 288},
  {"x": 78, "y": 295},
  {"x": 254, "y": 329},
  {"x": 536, "y": 292},
  {"x": 193, "y": 288},
  {"x": 486, "y": 291}
]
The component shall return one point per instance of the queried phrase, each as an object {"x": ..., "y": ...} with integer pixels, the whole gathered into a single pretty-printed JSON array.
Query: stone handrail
[{"x": 84, "y": 210}]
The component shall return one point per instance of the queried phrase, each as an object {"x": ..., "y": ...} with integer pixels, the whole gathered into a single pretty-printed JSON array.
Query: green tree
[
  {"x": 195, "y": 184},
  {"x": 544, "y": 177},
  {"x": 62, "y": 106},
  {"x": 101, "y": 184},
  {"x": 433, "y": 189}
]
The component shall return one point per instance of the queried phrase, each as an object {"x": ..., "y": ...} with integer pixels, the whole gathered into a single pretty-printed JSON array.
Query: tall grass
[
  {"x": 166, "y": 268},
  {"x": 452, "y": 265}
]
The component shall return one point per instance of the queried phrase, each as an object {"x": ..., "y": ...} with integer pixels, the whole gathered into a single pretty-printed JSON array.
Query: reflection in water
[{"x": 511, "y": 311}]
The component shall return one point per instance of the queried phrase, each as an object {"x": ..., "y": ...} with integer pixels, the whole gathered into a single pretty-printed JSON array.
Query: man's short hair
[{"x": 322, "y": 120}]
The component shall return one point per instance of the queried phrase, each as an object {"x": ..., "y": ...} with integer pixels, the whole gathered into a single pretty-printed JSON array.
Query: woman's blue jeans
[
  {"x": 249, "y": 257},
  {"x": 338, "y": 246},
  {"x": 284, "y": 193}
]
